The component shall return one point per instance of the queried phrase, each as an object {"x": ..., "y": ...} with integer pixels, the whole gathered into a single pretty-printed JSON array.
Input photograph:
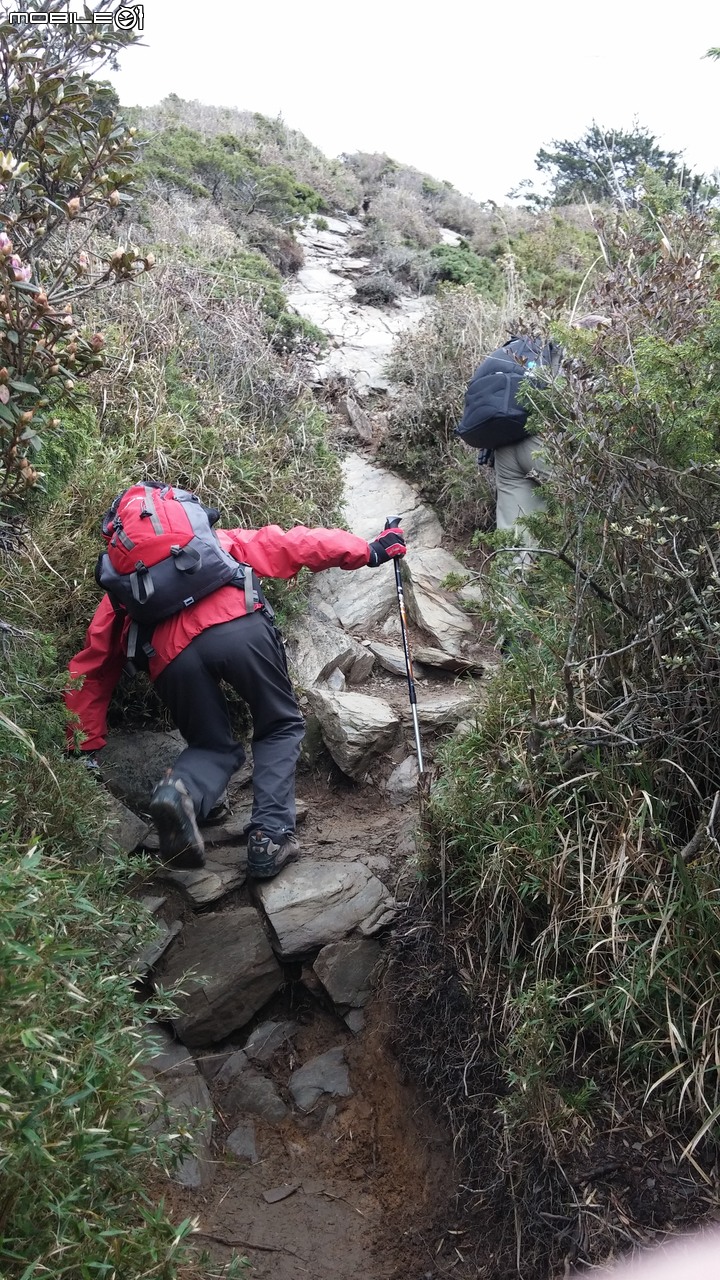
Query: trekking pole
[{"x": 393, "y": 522}]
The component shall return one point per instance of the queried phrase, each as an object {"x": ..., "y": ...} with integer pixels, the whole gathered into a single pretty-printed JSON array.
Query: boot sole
[{"x": 175, "y": 849}]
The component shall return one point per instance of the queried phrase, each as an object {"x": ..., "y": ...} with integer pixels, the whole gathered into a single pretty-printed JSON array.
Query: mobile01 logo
[{"x": 125, "y": 18}]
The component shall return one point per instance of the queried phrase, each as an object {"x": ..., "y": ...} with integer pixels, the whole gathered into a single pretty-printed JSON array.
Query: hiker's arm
[
  {"x": 274, "y": 553},
  {"x": 99, "y": 664}
]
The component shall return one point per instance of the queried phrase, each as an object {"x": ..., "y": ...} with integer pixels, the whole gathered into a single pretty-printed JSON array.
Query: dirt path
[
  {"x": 361, "y": 1185},
  {"x": 370, "y": 1177}
]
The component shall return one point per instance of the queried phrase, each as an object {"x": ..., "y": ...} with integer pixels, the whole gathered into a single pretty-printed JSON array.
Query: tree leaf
[{"x": 26, "y": 388}]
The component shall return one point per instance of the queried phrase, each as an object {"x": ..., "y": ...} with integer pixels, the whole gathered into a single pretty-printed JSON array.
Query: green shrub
[
  {"x": 230, "y": 171},
  {"x": 246, "y": 274},
  {"x": 458, "y": 264},
  {"x": 554, "y": 258},
  {"x": 432, "y": 365},
  {"x": 579, "y": 876},
  {"x": 69, "y": 157},
  {"x": 75, "y": 1153},
  {"x": 210, "y": 403}
]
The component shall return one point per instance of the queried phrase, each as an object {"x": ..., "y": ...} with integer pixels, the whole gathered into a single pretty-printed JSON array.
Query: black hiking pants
[{"x": 249, "y": 654}]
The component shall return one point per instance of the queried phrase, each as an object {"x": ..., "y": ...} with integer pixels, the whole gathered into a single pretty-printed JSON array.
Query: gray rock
[
  {"x": 281, "y": 1193},
  {"x": 327, "y": 1073},
  {"x": 376, "y": 862},
  {"x": 235, "y": 974},
  {"x": 153, "y": 904},
  {"x": 431, "y": 606},
  {"x": 164, "y": 1055},
  {"x": 367, "y": 596},
  {"x": 345, "y": 969},
  {"x": 188, "y": 1102},
  {"x": 443, "y": 709},
  {"x": 401, "y": 786},
  {"x": 336, "y": 681},
  {"x": 266, "y": 1039},
  {"x": 241, "y": 1142},
  {"x": 472, "y": 594},
  {"x": 316, "y": 649},
  {"x": 210, "y": 1063},
  {"x": 445, "y": 661},
  {"x": 149, "y": 956},
  {"x": 124, "y": 830},
  {"x": 209, "y": 884},
  {"x": 355, "y": 727},
  {"x": 463, "y": 728},
  {"x": 391, "y": 626},
  {"x": 313, "y": 903},
  {"x": 132, "y": 763},
  {"x": 190, "y": 1106},
  {"x": 257, "y": 1096},
  {"x": 232, "y": 1067},
  {"x": 392, "y": 659},
  {"x": 360, "y": 421},
  {"x": 355, "y": 1021}
]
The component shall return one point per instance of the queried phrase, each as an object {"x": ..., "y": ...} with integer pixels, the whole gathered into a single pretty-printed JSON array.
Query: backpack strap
[
  {"x": 250, "y": 595},
  {"x": 141, "y": 584},
  {"x": 151, "y": 510}
]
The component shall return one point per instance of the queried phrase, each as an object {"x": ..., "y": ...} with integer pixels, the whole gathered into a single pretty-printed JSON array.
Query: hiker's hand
[{"x": 387, "y": 546}]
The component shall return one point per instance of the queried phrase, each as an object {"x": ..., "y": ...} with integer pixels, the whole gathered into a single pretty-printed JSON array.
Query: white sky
[{"x": 465, "y": 91}]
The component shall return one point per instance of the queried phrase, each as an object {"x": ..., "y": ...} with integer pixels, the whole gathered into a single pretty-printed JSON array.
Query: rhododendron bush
[{"x": 66, "y": 165}]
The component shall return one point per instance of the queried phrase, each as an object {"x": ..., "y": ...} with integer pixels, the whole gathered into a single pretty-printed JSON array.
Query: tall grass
[{"x": 570, "y": 998}]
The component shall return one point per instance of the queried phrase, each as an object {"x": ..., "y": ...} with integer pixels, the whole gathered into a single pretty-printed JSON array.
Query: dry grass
[{"x": 432, "y": 366}]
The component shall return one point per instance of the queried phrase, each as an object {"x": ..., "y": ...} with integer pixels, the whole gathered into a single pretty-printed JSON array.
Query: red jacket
[{"x": 270, "y": 551}]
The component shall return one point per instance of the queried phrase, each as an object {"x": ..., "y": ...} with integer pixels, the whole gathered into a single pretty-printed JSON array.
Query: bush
[
  {"x": 413, "y": 267},
  {"x": 432, "y": 366},
  {"x": 554, "y": 258},
  {"x": 379, "y": 289},
  {"x": 69, "y": 158},
  {"x": 397, "y": 217},
  {"x": 230, "y": 171},
  {"x": 458, "y": 264},
  {"x": 577, "y": 821},
  {"x": 278, "y": 245},
  {"x": 195, "y": 391}
]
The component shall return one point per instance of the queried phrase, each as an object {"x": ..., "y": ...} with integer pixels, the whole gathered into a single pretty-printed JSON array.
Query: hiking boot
[
  {"x": 266, "y": 858},
  {"x": 173, "y": 813}
]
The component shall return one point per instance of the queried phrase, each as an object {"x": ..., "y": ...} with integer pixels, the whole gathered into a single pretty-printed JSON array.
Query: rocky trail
[{"x": 313, "y": 1157}]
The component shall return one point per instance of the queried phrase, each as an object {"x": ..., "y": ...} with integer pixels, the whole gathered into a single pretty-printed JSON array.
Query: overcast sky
[{"x": 466, "y": 90}]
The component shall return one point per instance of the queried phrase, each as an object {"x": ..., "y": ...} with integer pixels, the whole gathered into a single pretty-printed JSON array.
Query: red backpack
[{"x": 163, "y": 555}]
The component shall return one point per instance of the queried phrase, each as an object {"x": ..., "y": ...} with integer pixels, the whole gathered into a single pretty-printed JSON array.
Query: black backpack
[{"x": 492, "y": 416}]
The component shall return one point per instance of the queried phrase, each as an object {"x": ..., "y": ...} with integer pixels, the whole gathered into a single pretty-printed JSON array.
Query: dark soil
[{"x": 373, "y": 1174}]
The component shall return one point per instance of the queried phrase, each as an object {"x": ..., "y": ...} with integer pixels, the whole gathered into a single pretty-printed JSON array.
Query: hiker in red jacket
[{"x": 228, "y": 634}]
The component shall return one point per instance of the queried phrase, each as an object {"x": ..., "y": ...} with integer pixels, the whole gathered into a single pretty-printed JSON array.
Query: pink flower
[
  {"x": 24, "y": 273},
  {"x": 5, "y": 243},
  {"x": 4, "y": 395},
  {"x": 14, "y": 262}
]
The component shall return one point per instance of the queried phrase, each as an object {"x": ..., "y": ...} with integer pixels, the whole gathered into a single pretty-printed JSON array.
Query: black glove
[{"x": 387, "y": 546}]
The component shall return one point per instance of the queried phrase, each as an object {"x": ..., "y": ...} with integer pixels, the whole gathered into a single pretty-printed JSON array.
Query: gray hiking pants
[
  {"x": 519, "y": 469},
  {"x": 249, "y": 654}
]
